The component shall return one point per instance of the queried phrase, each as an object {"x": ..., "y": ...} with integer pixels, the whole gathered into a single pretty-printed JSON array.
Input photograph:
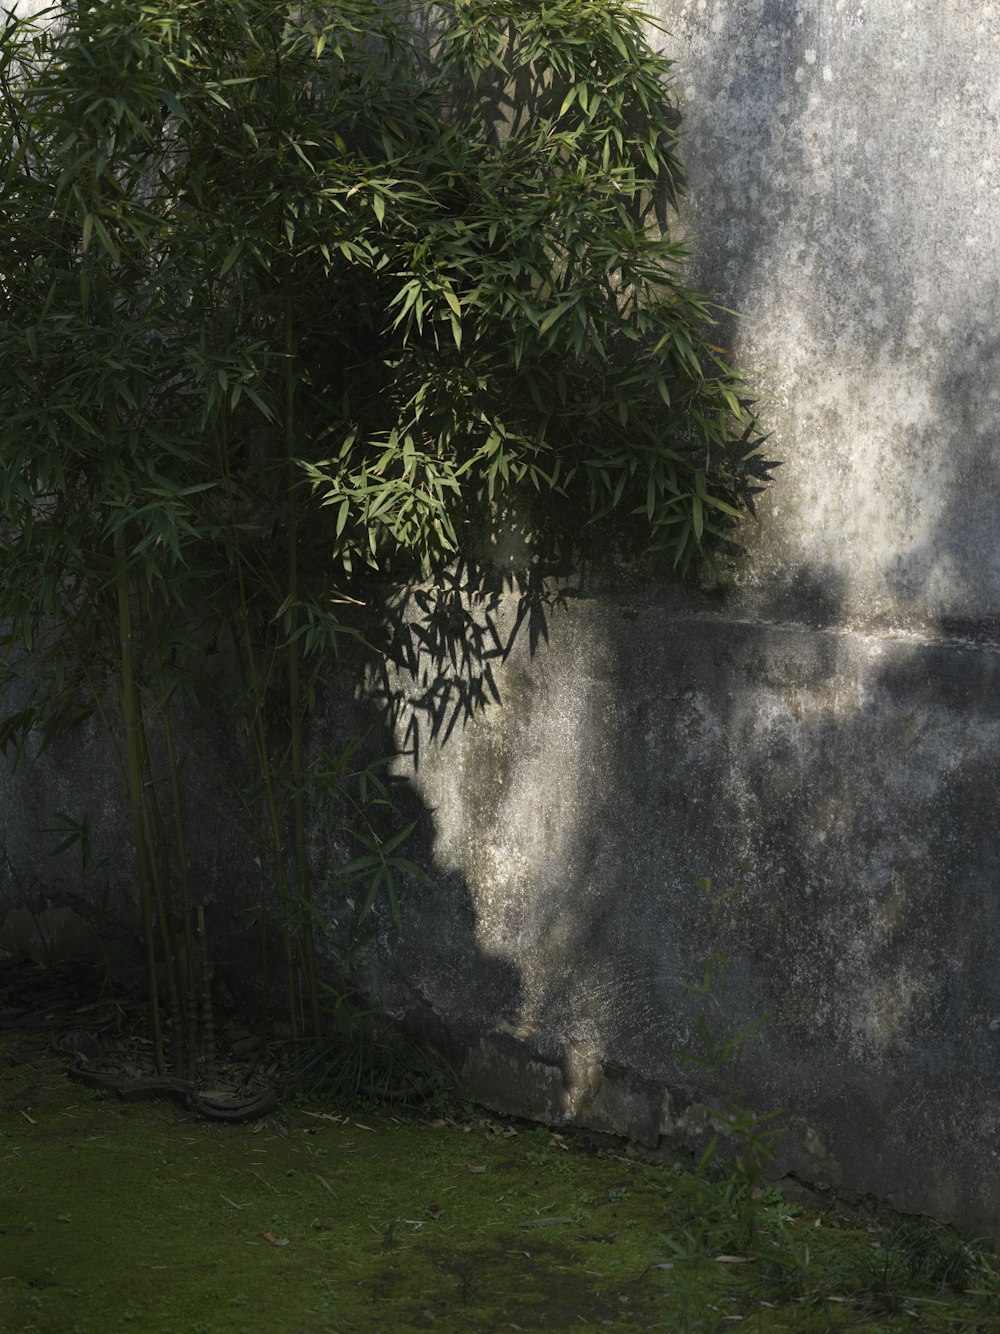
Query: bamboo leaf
[
  {"x": 356, "y": 866},
  {"x": 231, "y": 258},
  {"x": 104, "y": 236},
  {"x": 556, "y": 313},
  {"x": 697, "y": 517},
  {"x": 400, "y": 836}
]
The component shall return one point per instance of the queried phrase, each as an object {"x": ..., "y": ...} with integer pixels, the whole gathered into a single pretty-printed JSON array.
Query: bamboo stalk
[
  {"x": 257, "y": 725},
  {"x": 132, "y": 721},
  {"x": 190, "y": 991},
  {"x": 250, "y": 806},
  {"x": 207, "y": 1017},
  {"x": 307, "y": 941},
  {"x": 161, "y": 880}
]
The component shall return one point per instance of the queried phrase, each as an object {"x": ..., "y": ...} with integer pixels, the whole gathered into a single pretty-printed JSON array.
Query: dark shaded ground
[{"x": 117, "y": 1216}]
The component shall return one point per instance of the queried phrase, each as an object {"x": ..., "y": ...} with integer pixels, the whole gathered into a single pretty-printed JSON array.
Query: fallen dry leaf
[
  {"x": 734, "y": 1259},
  {"x": 275, "y": 1241},
  {"x": 476, "y": 1167}
]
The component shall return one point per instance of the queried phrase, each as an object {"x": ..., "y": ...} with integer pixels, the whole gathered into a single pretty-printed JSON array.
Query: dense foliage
[{"x": 291, "y": 291}]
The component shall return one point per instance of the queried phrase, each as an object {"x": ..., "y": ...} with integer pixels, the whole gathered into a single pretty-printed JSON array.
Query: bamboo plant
[{"x": 297, "y": 296}]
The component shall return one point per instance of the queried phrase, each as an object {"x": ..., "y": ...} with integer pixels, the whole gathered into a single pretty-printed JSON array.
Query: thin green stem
[
  {"x": 133, "y": 754},
  {"x": 189, "y": 989},
  {"x": 256, "y": 715},
  {"x": 156, "y": 842},
  {"x": 307, "y": 942}
]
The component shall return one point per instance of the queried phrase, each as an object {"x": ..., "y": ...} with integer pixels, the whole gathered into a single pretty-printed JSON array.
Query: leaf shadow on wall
[{"x": 841, "y": 779}]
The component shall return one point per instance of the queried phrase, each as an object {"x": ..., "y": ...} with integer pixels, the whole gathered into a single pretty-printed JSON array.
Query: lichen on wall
[
  {"x": 842, "y": 786},
  {"x": 842, "y": 164}
]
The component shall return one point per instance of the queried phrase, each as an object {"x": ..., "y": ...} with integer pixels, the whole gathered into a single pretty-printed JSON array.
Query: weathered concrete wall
[
  {"x": 824, "y": 737},
  {"x": 843, "y": 160},
  {"x": 843, "y": 784}
]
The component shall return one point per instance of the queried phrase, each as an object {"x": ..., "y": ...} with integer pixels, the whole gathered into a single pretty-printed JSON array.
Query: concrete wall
[
  {"x": 843, "y": 157},
  {"x": 824, "y": 735},
  {"x": 843, "y": 784}
]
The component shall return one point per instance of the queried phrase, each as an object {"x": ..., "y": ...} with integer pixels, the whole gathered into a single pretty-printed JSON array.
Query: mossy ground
[{"x": 117, "y": 1217}]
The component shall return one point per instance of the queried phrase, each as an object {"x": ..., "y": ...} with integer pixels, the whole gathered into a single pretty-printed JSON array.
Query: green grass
[{"x": 117, "y": 1217}]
